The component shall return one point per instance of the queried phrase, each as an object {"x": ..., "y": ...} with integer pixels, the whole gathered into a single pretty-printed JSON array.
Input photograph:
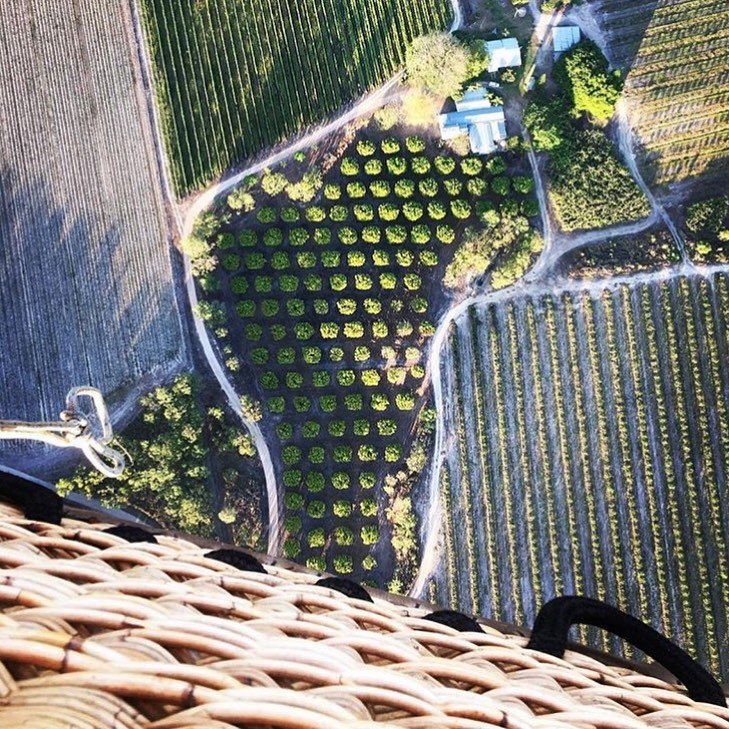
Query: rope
[{"x": 90, "y": 432}]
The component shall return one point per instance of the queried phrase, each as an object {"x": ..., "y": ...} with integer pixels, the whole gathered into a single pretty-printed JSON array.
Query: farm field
[
  {"x": 676, "y": 56},
  {"x": 235, "y": 77},
  {"x": 590, "y": 455},
  {"x": 85, "y": 271},
  {"x": 323, "y": 311}
]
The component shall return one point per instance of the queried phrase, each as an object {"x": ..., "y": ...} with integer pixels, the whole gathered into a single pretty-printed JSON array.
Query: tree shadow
[{"x": 72, "y": 313}]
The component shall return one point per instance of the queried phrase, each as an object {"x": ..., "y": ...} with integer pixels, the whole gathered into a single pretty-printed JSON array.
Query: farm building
[
  {"x": 504, "y": 53},
  {"x": 475, "y": 116},
  {"x": 564, "y": 37}
]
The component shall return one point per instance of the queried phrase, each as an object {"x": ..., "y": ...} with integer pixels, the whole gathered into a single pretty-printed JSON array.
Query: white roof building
[
  {"x": 504, "y": 53},
  {"x": 484, "y": 124},
  {"x": 565, "y": 37}
]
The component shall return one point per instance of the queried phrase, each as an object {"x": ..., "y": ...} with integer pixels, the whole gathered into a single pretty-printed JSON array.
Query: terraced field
[
  {"x": 591, "y": 457},
  {"x": 234, "y": 77},
  {"x": 85, "y": 273},
  {"x": 677, "y": 58}
]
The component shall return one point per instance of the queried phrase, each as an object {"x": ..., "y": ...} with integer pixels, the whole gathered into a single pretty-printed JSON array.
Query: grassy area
[
  {"x": 237, "y": 76},
  {"x": 324, "y": 310}
]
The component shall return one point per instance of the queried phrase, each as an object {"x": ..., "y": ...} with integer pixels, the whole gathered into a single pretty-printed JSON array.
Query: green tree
[{"x": 438, "y": 63}]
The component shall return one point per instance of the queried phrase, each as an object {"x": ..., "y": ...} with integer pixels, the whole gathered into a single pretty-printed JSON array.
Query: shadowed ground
[{"x": 86, "y": 292}]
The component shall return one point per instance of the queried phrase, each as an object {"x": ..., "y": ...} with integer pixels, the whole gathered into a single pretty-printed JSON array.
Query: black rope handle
[{"x": 554, "y": 620}]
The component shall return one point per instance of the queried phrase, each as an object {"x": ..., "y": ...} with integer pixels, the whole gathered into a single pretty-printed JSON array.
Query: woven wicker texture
[{"x": 99, "y": 632}]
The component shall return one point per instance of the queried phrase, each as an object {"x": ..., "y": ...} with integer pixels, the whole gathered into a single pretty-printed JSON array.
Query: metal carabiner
[{"x": 90, "y": 432}]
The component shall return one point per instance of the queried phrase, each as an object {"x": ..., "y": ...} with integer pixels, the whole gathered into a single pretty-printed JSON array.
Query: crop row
[{"x": 597, "y": 429}]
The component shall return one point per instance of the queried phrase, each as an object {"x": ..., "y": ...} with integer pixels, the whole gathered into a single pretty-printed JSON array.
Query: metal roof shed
[
  {"x": 565, "y": 37},
  {"x": 504, "y": 53}
]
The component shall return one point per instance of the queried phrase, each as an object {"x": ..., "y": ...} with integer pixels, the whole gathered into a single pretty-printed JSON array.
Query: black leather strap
[
  {"x": 239, "y": 560},
  {"x": 554, "y": 620},
  {"x": 346, "y": 587},
  {"x": 38, "y": 502},
  {"x": 455, "y": 620}
]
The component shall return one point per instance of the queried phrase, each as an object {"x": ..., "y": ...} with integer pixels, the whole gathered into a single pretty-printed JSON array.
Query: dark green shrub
[
  {"x": 266, "y": 215},
  {"x": 306, "y": 259},
  {"x": 328, "y": 403},
  {"x": 292, "y": 524},
  {"x": 419, "y": 305},
  {"x": 316, "y": 456},
  {"x": 288, "y": 283},
  {"x": 280, "y": 261},
  {"x": 248, "y": 238},
  {"x": 342, "y": 453},
  {"x": 303, "y": 330},
  {"x": 290, "y": 215},
  {"x": 332, "y": 191},
  {"x": 316, "y": 509},
  {"x": 259, "y": 355},
  {"x": 269, "y": 381},
  {"x": 322, "y": 236},
  {"x": 291, "y": 455},
  {"x": 346, "y": 377},
  {"x": 361, "y": 427},
  {"x": 292, "y": 477},
  {"x": 372, "y": 306},
  {"x": 269, "y": 307},
  {"x": 273, "y": 237},
  {"x": 320, "y": 378},
  {"x": 246, "y": 308},
  {"x": 253, "y": 332},
  {"x": 321, "y": 307},
  {"x": 405, "y": 400},
  {"x": 496, "y": 165},
  {"x": 298, "y": 236},
  {"x": 353, "y": 402},
  {"x": 477, "y": 186},
  {"x": 287, "y": 355},
  {"x": 302, "y": 404},
  {"x": 291, "y": 548},
  {"x": 315, "y": 481},
  {"x": 310, "y": 429},
  {"x": 501, "y": 185},
  {"x": 275, "y": 404},
  {"x": 254, "y": 261},
  {"x": 311, "y": 355},
  {"x": 312, "y": 282},
  {"x": 284, "y": 432},
  {"x": 356, "y": 258},
  {"x": 263, "y": 284},
  {"x": 293, "y": 501},
  {"x": 453, "y": 186},
  {"x": 239, "y": 285},
  {"x": 336, "y": 428},
  {"x": 295, "y": 307},
  {"x": 329, "y": 330},
  {"x": 294, "y": 380},
  {"x": 366, "y": 148},
  {"x": 364, "y": 213},
  {"x": 336, "y": 354},
  {"x": 420, "y": 165},
  {"x": 316, "y": 538}
]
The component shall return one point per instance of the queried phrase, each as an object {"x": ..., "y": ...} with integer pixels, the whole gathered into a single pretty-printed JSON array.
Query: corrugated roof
[
  {"x": 565, "y": 37},
  {"x": 503, "y": 53}
]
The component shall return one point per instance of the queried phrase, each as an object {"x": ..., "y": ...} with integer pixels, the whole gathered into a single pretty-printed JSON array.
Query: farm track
[{"x": 88, "y": 293}]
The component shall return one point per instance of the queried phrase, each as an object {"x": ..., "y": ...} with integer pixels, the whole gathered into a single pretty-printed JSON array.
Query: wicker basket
[{"x": 100, "y": 631}]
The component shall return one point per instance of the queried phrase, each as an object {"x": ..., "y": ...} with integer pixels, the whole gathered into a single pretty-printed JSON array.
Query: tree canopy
[
  {"x": 438, "y": 63},
  {"x": 584, "y": 76}
]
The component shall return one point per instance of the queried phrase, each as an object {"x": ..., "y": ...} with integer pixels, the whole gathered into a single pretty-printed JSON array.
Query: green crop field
[
  {"x": 592, "y": 457},
  {"x": 234, "y": 77},
  {"x": 324, "y": 311},
  {"x": 676, "y": 56}
]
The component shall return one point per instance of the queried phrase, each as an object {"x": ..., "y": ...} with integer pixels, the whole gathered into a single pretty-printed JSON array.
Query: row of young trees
[{"x": 599, "y": 439}]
